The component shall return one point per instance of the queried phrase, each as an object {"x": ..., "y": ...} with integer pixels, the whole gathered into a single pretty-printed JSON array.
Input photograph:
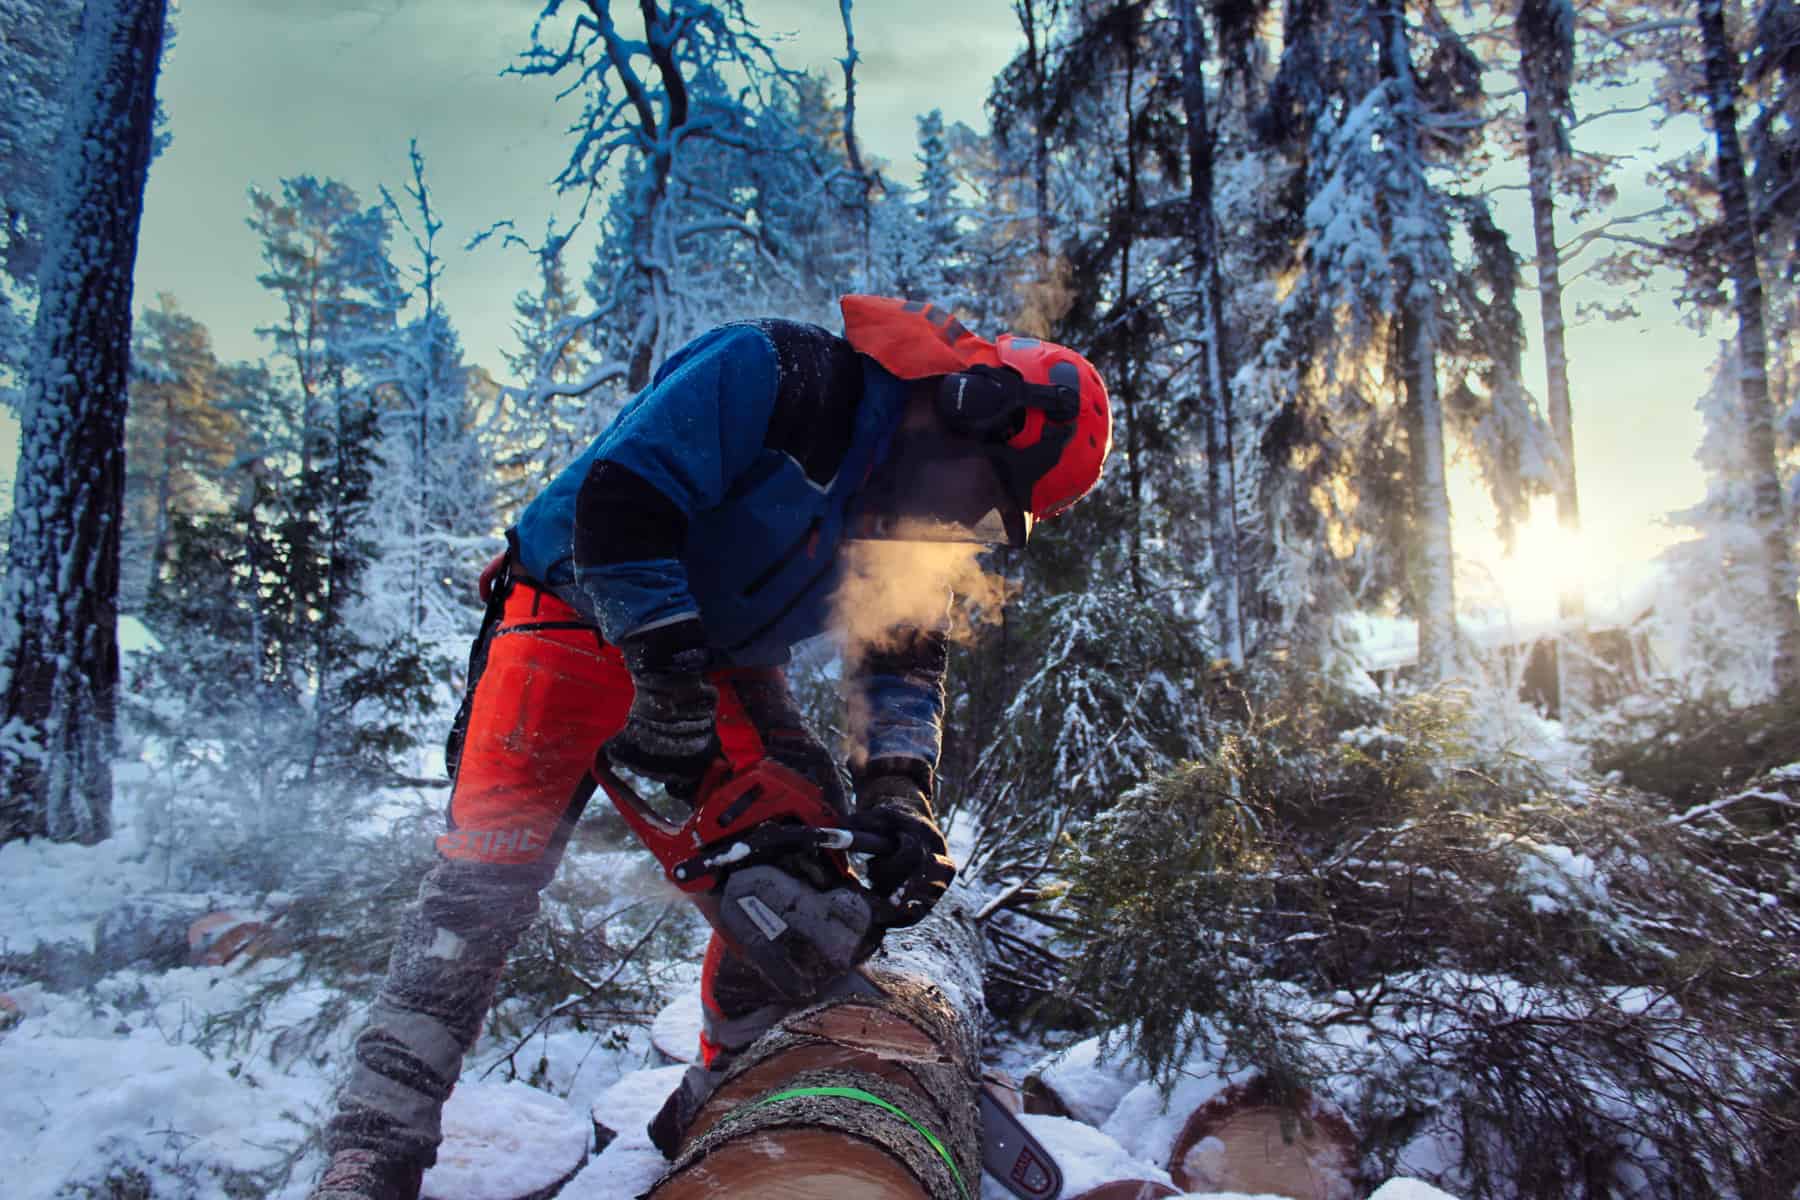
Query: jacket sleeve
[
  {"x": 673, "y": 452},
  {"x": 901, "y": 683}
]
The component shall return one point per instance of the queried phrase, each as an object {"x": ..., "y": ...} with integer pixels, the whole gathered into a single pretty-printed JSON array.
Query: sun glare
[{"x": 1545, "y": 561}]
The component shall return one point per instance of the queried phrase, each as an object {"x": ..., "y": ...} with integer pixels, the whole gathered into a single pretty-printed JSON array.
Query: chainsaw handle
[{"x": 857, "y": 841}]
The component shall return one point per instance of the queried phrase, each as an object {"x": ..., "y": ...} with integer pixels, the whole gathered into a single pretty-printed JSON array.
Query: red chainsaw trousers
[{"x": 549, "y": 696}]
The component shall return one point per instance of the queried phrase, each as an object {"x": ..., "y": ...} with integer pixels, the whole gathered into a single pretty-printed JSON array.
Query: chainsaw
[{"x": 763, "y": 857}]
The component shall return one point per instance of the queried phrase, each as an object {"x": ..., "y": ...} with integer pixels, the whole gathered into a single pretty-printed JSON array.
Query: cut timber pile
[{"x": 839, "y": 1099}]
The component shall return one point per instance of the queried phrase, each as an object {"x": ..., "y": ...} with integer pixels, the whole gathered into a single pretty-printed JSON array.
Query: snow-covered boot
[{"x": 367, "y": 1175}]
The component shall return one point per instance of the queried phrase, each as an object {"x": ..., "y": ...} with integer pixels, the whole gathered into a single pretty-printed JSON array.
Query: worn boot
[
  {"x": 448, "y": 956},
  {"x": 670, "y": 1124},
  {"x": 368, "y": 1175}
]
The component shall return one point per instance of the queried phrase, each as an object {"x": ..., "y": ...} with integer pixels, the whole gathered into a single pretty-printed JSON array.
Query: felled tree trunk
[{"x": 868, "y": 1095}]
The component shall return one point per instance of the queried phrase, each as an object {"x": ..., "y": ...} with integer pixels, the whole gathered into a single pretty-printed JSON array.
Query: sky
[{"x": 258, "y": 90}]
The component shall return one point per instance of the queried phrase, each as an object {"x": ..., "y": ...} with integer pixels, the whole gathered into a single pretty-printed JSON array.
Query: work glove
[
  {"x": 670, "y": 734},
  {"x": 368, "y": 1175},
  {"x": 892, "y": 800}
]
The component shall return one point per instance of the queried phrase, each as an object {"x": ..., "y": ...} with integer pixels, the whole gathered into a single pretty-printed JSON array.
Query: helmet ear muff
[
  {"x": 989, "y": 403},
  {"x": 983, "y": 403}
]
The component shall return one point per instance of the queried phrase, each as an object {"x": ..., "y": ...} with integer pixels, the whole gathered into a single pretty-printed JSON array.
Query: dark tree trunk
[
  {"x": 813, "y": 1109},
  {"x": 58, "y": 646},
  {"x": 1753, "y": 379},
  {"x": 1541, "y": 152},
  {"x": 1544, "y": 69},
  {"x": 1432, "y": 570},
  {"x": 1203, "y": 238}
]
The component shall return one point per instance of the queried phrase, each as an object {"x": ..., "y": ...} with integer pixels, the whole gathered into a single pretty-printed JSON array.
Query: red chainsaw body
[
  {"x": 759, "y": 857},
  {"x": 727, "y": 805}
]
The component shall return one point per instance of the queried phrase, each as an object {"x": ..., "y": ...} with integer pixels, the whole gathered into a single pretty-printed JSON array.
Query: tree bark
[
  {"x": 1753, "y": 380},
  {"x": 59, "y": 662},
  {"x": 1433, "y": 563},
  {"x": 1542, "y": 148},
  {"x": 1545, "y": 58},
  {"x": 825, "y": 1104},
  {"x": 1203, "y": 240}
]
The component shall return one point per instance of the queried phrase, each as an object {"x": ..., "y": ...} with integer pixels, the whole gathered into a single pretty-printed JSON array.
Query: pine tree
[
  {"x": 59, "y": 662},
  {"x": 542, "y": 423},
  {"x": 341, "y": 296},
  {"x": 179, "y": 444},
  {"x": 1546, "y": 40},
  {"x": 1382, "y": 310},
  {"x": 432, "y": 501}
]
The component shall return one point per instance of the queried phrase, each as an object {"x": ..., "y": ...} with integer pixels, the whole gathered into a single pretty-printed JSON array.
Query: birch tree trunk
[
  {"x": 1753, "y": 380},
  {"x": 870, "y": 1096},
  {"x": 1203, "y": 237},
  {"x": 59, "y": 662}
]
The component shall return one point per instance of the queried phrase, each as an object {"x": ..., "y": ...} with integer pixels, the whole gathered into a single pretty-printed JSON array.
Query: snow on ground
[
  {"x": 1147, "y": 1124},
  {"x": 1089, "y": 1083},
  {"x": 1087, "y": 1156},
  {"x": 132, "y": 1073},
  {"x": 504, "y": 1140}
]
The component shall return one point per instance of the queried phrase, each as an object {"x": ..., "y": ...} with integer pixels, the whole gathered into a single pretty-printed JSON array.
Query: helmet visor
[{"x": 936, "y": 487}]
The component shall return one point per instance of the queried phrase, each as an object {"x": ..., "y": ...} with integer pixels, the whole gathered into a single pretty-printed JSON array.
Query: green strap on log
[{"x": 850, "y": 1093}]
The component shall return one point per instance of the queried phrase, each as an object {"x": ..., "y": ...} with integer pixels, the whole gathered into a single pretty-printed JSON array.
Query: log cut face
[
  {"x": 840, "y": 1097},
  {"x": 1245, "y": 1140}
]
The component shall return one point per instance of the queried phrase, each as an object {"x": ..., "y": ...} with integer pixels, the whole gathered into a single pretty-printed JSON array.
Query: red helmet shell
[{"x": 1077, "y": 468}]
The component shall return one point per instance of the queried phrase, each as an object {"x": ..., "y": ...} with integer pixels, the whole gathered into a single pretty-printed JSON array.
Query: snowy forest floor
[
  {"x": 132, "y": 1084},
  {"x": 127, "y": 1073}
]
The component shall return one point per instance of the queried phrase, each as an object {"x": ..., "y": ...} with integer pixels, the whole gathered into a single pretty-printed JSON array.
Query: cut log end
[
  {"x": 1242, "y": 1140},
  {"x": 866, "y": 1094},
  {"x": 794, "y": 1164}
]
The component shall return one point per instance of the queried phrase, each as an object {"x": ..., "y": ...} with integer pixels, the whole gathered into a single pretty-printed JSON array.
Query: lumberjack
[{"x": 644, "y": 608}]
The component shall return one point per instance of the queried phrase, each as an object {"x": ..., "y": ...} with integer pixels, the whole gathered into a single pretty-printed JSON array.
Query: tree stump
[
  {"x": 1246, "y": 1139},
  {"x": 675, "y": 1034},
  {"x": 866, "y": 1095}
]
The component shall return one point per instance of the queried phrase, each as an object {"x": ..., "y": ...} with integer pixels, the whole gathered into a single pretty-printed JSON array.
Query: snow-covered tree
[
  {"x": 59, "y": 662},
  {"x": 432, "y": 498},
  {"x": 681, "y": 139},
  {"x": 34, "y": 61},
  {"x": 1546, "y": 43},
  {"x": 1384, "y": 322},
  {"x": 1767, "y": 510},
  {"x": 1215, "y": 363},
  {"x": 538, "y": 426}
]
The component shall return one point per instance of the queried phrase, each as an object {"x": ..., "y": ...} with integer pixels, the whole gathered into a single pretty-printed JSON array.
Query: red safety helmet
[{"x": 1038, "y": 411}]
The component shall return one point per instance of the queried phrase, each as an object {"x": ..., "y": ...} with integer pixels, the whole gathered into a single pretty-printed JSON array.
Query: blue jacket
[{"x": 724, "y": 489}]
